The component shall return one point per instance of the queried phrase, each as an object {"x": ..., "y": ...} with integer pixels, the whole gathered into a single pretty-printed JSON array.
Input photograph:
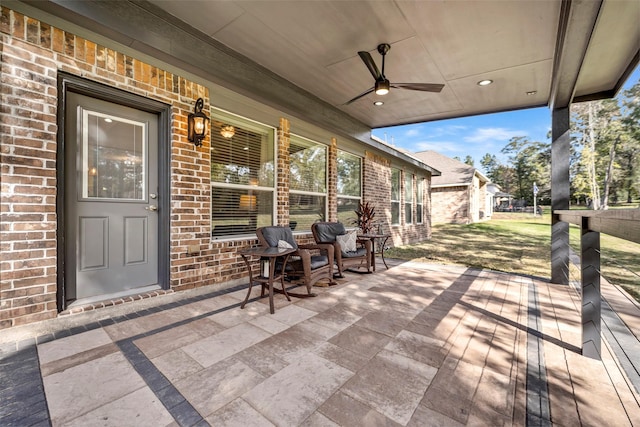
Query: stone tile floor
[{"x": 416, "y": 345}]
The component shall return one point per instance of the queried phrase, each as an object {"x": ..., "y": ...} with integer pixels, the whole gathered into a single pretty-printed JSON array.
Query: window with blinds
[
  {"x": 242, "y": 175},
  {"x": 349, "y": 187},
  {"x": 395, "y": 196},
  {"x": 307, "y": 182},
  {"x": 419, "y": 200},
  {"x": 408, "y": 198}
]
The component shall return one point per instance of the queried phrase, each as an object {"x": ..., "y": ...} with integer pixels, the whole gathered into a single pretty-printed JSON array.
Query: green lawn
[{"x": 519, "y": 243}]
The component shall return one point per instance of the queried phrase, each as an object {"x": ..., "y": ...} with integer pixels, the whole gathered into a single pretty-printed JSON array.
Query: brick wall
[
  {"x": 282, "y": 176},
  {"x": 32, "y": 54},
  {"x": 450, "y": 205},
  {"x": 332, "y": 181},
  {"x": 377, "y": 190}
]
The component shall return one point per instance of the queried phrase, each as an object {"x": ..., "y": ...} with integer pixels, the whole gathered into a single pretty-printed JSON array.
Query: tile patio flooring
[{"x": 417, "y": 345}]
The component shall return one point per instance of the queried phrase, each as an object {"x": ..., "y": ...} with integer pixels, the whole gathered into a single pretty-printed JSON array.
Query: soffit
[
  {"x": 301, "y": 56},
  {"x": 314, "y": 45}
]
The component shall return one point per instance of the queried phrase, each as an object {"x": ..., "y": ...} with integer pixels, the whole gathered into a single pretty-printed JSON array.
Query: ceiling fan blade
[
  {"x": 367, "y": 92},
  {"x": 425, "y": 87},
  {"x": 368, "y": 61}
]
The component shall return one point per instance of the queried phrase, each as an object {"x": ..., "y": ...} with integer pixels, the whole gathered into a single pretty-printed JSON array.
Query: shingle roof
[{"x": 453, "y": 171}]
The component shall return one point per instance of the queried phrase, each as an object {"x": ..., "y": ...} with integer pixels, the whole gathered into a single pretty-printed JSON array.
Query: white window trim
[{"x": 258, "y": 127}]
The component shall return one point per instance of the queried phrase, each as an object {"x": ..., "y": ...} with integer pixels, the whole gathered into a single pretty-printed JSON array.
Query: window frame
[
  {"x": 397, "y": 200},
  {"x": 325, "y": 212},
  {"x": 243, "y": 122},
  {"x": 343, "y": 196},
  {"x": 408, "y": 197},
  {"x": 420, "y": 199}
]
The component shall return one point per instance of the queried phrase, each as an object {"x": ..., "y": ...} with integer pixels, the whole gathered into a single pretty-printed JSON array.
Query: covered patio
[{"x": 416, "y": 345}]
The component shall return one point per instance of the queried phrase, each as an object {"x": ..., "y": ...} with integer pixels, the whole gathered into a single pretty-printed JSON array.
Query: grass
[{"x": 519, "y": 243}]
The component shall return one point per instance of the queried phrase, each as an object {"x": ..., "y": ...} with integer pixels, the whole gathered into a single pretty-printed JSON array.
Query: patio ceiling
[{"x": 302, "y": 55}]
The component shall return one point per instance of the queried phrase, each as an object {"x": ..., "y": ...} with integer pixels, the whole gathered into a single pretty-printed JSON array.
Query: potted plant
[{"x": 365, "y": 214}]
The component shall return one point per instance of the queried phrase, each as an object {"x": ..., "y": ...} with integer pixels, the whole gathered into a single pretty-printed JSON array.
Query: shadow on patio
[{"x": 416, "y": 345}]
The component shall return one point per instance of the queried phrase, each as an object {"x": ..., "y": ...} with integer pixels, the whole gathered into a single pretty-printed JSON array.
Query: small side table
[
  {"x": 270, "y": 254},
  {"x": 382, "y": 241}
]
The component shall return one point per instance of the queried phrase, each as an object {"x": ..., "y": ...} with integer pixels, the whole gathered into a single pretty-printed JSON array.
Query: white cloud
[
  {"x": 439, "y": 146},
  {"x": 412, "y": 132},
  {"x": 487, "y": 135}
]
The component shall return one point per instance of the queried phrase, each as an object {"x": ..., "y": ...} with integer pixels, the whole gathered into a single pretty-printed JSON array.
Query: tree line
[{"x": 604, "y": 162}]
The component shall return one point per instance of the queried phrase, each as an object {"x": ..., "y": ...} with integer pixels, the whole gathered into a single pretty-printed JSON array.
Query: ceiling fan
[{"x": 382, "y": 84}]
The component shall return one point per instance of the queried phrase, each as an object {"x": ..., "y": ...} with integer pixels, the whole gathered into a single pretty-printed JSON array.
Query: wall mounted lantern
[{"x": 197, "y": 127}]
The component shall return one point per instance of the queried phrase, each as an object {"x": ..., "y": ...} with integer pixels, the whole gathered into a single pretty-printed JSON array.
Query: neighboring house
[
  {"x": 495, "y": 198},
  {"x": 459, "y": 194},
  {"x": 90, "y": 221},
  {"x": 501, "y": 201}
]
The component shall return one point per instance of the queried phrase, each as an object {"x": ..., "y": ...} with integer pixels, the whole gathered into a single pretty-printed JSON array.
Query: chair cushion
[
  {"x": 360, "y": 252},
  {"x": 274, "y": 234},
  {"x": 348, "y": 241},
  {"x": 328, "y": 231},
  {"x": 318, "y": 261}
]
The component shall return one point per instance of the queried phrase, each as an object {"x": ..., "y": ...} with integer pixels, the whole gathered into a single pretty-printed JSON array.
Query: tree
[
  {"x": 630, "y": 147},
  {"x": 498, "y": 173},
  {"x": 469, "y": 160},
  {"x": 599, "y": 130},
  {"x": 530, "y": 162}
]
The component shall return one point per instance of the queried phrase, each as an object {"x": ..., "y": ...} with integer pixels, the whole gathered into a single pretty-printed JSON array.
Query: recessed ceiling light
[
  {"x": 486, "y": 82},
  {"x": 108, "y": 120},
  {"x": 532, "y": 92},
  {"x": 378, "y": 103}
]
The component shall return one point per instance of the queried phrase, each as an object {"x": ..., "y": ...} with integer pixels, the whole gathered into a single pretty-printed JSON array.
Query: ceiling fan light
[
  {"x": 382, "y": 87},
  {"x": 227, "y": 131}
]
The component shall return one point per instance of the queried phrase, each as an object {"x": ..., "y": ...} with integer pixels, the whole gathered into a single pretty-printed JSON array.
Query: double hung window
[
  {"x": 242, "y": 175},
  {"x": 408, "y": 198},
  {"x": 419, "y": 200},
  {"x": 307, "y": 183},
  {"x": 349, "y": 187},
  {"x": 395, "y": 196}
]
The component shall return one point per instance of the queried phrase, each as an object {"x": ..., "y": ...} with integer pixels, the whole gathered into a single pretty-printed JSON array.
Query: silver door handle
[{"x": 151, "y": 208}]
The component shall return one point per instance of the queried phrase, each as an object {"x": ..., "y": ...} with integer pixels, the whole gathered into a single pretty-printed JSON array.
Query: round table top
[
  {"x": 267, "y": 252},
  {"x": 373, "y": 235}
]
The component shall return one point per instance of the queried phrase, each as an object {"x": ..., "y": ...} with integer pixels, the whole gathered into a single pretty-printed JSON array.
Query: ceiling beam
[{"x": 577, "y": 21}]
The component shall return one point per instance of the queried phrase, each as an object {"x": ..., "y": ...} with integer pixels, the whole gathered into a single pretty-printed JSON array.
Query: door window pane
[{"x": 113, "y": 157}]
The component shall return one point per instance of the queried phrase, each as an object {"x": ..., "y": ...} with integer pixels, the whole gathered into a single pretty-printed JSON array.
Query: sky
[{"x": 476, "y": 135}]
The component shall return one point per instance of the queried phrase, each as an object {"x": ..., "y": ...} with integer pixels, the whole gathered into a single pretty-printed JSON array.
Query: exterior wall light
[{"x": 197, "y": 126}]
